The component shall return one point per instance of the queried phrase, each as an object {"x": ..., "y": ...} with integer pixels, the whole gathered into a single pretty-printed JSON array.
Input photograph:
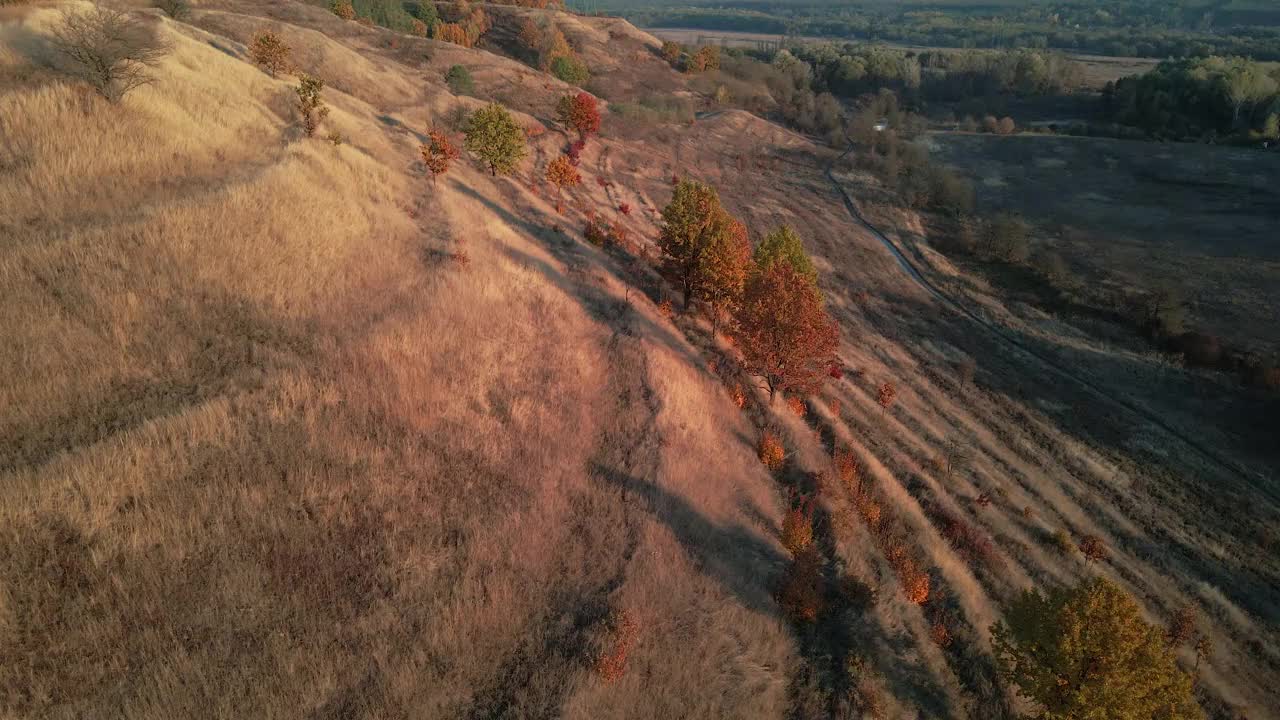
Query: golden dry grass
[{"x": 267, "y": 451}]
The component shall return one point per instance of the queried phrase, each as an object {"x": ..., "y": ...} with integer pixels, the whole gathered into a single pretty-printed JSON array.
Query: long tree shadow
[
  {"x": 738, "y": 558},
  {"x": 1161, "y": 483},
  {"x": 600, "y": 304}
]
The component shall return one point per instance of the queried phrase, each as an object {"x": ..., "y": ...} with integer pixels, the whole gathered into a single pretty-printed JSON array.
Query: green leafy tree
[
  {"x": 784, "y": 245},
  {"x": 1086, "y": 653},
  {"x": 724, "y": 268},
  {"x": 690, "y": 224},
  {"x": 458, "y": 78},
  {"x": 496, "y": 138}
]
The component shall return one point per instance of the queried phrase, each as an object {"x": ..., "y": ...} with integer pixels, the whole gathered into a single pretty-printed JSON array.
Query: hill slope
[{"x": 289, "y": 430}]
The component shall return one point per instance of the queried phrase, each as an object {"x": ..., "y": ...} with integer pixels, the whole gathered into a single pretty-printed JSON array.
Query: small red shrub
[
  {"x": 887, "y": 394},
  {"x": 619, "y": 640},
  {"x": 797, "y": 527},
  {"x": 797, "y": 406},
  {"x": 1094, "y": 549},
  {"x": 771, "y": 452},
  {"x": 625, "y": 209}
]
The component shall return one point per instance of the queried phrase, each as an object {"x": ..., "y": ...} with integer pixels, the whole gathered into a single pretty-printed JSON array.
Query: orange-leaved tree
[
  {"x": 438, "y": 154},
  {"x": 562, "y": 173},
  {"x": 451, "y": 33},
  {"x": 580, "y": 112},
  {"x": 785, "y": 335}
]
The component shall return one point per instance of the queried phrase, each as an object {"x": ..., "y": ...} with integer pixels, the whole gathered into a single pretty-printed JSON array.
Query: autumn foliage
[
  {"x": 771, "y": 452},
  {"x": 703, "y": 246},
  {"x": 451, "y": 33},
  {"x": 343, "y": 9},
  {"x": 784, "y": 332},
  {"x": 1088, "y": 652},
  {"x": 270, "y": 52},
  {"x": 562, "y": 173},
  {"x": 580, "y": 112},
  {"x": 797, "y": 526},
  {"x": 886, "y": 395},
  {"x": 616, "y": 646},
  {"x": 1094, "y": 549},
  {"x": 438, "y": 154}
]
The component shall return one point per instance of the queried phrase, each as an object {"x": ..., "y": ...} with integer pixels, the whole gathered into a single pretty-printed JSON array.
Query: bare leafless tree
[{"x": 107, "y": 48}]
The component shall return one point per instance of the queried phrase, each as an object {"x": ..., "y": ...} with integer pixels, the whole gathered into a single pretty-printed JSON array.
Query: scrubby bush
[
  {"x": 310, "y": 105},
  {"x": 571, "y": 70},
  {"x": 495, "y": 137},
  {"x": 770, "y": 451},
  {"x": 176, "y": 9},
  {"x": 914, "y": 581},
  {"x": 438, "y": 154},
  {"x": 1088, "y": 652},
  {"x": 671, "y": 51},
  {"x": 1094, "y": 549},
  {"x": 886, "y": 395},
  {"x": 1006, "y": 126},
  {"x": 1183, "y": 626},
  {"x": 1007, "y": 238},
  {"x": 270, "y": 52},
  {"x": 106, "y": 48},
  {"x": 343, "y": 9},
  {"x": 596, "y": 233},
  {"x": 1062, "y": 541},
  {"x": 615, "y": 647},
  {"x": 458, "y": 78},
  {"x": 796, "y": 406},
  {"x": 706, "y": 58},
  {"x": 797, "y": 527}
]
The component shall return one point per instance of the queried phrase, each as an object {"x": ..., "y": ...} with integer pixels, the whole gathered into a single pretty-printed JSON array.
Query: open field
[
  {"x": 1129, "y": 213},
  {"x": 289, "y": 430}
]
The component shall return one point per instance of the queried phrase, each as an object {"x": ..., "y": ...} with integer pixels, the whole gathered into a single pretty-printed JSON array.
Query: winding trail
[{"x": 1254, "y": 480}]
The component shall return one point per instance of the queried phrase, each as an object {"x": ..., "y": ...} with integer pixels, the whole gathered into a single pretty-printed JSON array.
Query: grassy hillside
[
  {"x": 289, "y": 430},
  {"x": 266, "y": 443}
]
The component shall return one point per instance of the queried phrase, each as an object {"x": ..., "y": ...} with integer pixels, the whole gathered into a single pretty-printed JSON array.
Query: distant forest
[{"x": 1129, "y": 28}]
